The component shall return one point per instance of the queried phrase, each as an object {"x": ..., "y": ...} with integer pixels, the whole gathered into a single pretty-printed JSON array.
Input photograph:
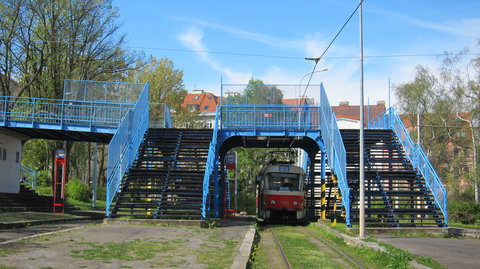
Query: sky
[{"x": 233, "y": 41}]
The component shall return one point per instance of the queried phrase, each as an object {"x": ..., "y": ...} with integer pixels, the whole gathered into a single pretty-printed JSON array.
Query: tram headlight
[
  {"x": 295, "y": 203},
  {"x": 272, "y": 202}
]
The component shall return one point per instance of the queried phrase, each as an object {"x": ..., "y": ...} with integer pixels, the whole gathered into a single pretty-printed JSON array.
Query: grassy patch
[
  {"x": 126, "y": 251},
  {"x": 5, "y": 252},
  {"x": 2, "y": 266},
  {"x": 216, "y": 252},
  {"x": 100, "y": 206},
  {"x": 461, "y": 225},
  {"x": 32, "y": 216},
  {"x": 302, "y": 253},
  {"x": 392, "y": 258}
]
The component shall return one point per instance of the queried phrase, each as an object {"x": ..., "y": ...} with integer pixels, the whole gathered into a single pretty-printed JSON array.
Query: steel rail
[
  {"x": 332, "y": 246},
  {"x": 279, "y": 245}
]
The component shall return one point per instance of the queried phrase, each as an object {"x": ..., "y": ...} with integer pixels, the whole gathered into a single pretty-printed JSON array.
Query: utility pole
[
  {"x": 362, "y": 124},
  {"x": 474, "y": 165}
]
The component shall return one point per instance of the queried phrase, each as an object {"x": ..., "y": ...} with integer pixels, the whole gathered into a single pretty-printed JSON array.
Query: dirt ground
[{"x": 175, "y": 247}]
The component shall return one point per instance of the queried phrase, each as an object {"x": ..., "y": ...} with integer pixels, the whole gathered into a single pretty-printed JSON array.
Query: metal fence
[
  {"x": 62, "y": 112},
  {"x": 124, "y": 145},
  {"x": 414, "y": 152},
  {"x": 89, "y": 90}
]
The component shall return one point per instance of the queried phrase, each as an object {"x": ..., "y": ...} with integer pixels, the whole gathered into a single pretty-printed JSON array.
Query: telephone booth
[{"x": 60, "y": 175}]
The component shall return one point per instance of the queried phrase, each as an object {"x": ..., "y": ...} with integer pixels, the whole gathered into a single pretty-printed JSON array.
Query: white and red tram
[{"x": 281, "y": 193}]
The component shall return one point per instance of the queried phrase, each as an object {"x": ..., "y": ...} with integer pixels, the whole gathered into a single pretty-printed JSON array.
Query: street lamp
[{"x": 300, "y": 83}]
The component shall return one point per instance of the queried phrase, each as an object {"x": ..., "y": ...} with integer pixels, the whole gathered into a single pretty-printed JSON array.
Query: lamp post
[
  {"x": 361, "y": 213},
  {"x": 300, "y": 83}
]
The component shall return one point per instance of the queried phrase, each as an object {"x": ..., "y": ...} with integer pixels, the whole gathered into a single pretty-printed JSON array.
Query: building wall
[
  {"x": 10, "y": 159},
  {"x": 344, "y": 123}
]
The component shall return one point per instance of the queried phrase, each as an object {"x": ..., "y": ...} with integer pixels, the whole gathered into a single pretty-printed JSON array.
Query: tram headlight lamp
[
  {"x": 272, "y": 202},
  {"x": 295, "y": 203}
]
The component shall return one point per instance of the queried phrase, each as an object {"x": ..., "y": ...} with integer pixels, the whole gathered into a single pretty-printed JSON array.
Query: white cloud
[{"x": 192, "y": 39}]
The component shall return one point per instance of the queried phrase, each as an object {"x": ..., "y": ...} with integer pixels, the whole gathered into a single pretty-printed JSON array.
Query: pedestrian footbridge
[{"x": 156, "y": 171}]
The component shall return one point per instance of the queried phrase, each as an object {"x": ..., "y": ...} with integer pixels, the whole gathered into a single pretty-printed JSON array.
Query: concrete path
[{"x": 451, "y": 252}]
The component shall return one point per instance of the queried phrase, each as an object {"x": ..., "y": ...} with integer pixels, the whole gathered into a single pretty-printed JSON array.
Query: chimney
[
  {"x": 344, "y": 103},
  {"x": 381, "y": 103}
]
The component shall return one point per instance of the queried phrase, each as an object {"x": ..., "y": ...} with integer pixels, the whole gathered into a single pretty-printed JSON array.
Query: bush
[
  {"x": 44, "y": 179},
  {"x": 464, "y": 212},
  {"x": 44, "y": 190},
  {"x": 246, "y": 202},
  {"x": 78, "y": 190},
  {"x": 101, "y": 192}
]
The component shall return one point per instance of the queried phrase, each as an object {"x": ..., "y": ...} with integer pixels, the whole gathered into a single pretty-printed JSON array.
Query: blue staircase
[{"x": 403, "y": 189}]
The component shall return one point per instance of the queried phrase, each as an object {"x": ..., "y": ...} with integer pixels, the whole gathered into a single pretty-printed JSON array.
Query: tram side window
[{"x": 284, "y": 182}]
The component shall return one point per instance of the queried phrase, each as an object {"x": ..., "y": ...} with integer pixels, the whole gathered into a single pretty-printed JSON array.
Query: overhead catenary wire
[
  {"x": 329, "y": 45},
  {"x": 259, "y": 55}
]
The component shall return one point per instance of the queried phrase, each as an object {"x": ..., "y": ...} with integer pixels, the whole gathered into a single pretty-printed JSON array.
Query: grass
[
  {"x": 461, "y": 225},
  {"x": 302, "y": 253},
  {"x": 216, "y": 252},
  {"x": 392, "y": 258},
  {"x": 2, "y": 266},
  {"x": 138, "y": 249},
  {"x": 32, "y": 216},
  {"x": 100, "y": 205}
]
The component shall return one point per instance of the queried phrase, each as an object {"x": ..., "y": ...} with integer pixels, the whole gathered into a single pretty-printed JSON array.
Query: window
[
  {"x": 0, "y": 153},
  {"x": 205, "y": 107},
  {"x": 17, "y": 157},
  {"x": 196, "y": 97},
  {"x": 4, "y": 154},
  {"x": 284, "y": 182}
]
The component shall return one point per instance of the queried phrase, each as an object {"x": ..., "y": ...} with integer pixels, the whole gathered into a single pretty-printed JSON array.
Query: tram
[{"x": 281, "y": 192}]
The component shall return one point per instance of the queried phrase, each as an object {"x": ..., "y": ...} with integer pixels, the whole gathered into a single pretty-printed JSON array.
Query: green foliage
[
  {"x": 246, "y": 202},
  {"x": 464, "y": 212},
  {"x": 101, "y": 192},
  {"x": 257, "y": 92},
  {"x": 44, "y": 179},
  {"x": 78, "y": 190}
]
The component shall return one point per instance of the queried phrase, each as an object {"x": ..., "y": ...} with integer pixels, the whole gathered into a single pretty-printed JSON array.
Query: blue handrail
[
  {"x": 210, "y": 166},
  {"x": 61, "y": 112},
  {"x": 335, "y": 149},
  {"x": 124, "y": 145},
  {"x": 28, "y": 176},
  {"x": 415, "y": 154}
]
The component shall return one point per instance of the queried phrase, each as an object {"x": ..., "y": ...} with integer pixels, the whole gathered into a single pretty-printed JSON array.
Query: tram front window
[{"x": 284, "y": 182}]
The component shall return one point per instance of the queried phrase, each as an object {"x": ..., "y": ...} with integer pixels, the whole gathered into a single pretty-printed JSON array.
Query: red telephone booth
[{"x": 60, "y": 175}]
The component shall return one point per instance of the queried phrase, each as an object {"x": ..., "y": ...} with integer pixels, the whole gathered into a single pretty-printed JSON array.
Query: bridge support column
[
  {"x": 312, "y": 186},
  {"x": 216, "y": 188}
]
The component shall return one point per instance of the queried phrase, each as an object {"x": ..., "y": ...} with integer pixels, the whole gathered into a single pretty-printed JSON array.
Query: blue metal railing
[
  {"x": 56, "y": 112},
  {"x": 124, "y": 145},
  {"x": 335, "y": 149},
  {"x": 210, "y": 166},
  {"x": 28, "y": 176},
  {"x": 415, "y": 154},
  {"x": 160, "y": 116},
  {"x": 269, "y": 117}
]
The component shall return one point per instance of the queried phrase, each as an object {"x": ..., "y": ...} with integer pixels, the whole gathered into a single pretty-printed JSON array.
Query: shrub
[
  {"x": 78, "y": 190},
  {"x": 44, "y": 190},
  {"x": 44, "y": 179},
  {"x": 101, "y": 192},
  {"x": 464, "y": 212}
]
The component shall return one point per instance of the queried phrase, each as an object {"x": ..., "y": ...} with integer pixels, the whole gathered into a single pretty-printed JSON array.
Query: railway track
[
  {"x": 323, "y": 244},
  {"x": 279, "y": 246}
]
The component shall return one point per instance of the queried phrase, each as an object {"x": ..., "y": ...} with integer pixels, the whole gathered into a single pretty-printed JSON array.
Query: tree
[
  {"x": 257, "y": 92},
  {"x": 444, "y": 102},
  {"x": 43, "y": 42}
]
